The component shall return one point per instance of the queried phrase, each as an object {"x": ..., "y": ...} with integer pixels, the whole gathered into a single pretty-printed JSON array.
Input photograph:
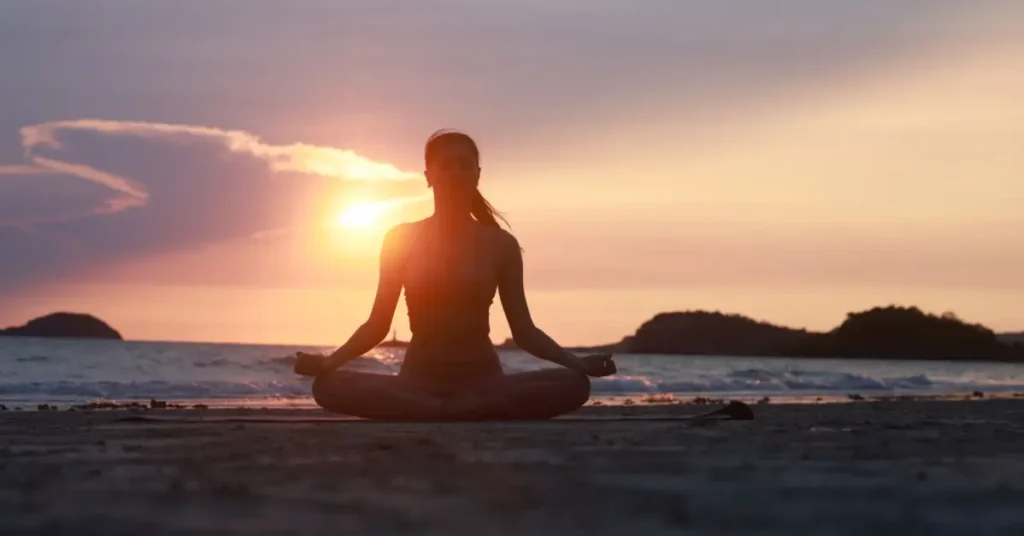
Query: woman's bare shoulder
[
  {"x": 399, "y": 238},
  {"x": 402, "y": 232},
  {"x": 505, "y": 241}
]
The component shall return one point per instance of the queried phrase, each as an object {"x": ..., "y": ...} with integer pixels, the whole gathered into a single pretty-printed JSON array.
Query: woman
[{"x": 450, "y": 265}]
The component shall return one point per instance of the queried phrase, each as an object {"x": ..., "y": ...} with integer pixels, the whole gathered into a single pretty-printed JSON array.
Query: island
[
  {"x": 890, "y": 332},
  {"x": 64, "y": 325},
  {"x": 1012, "y": 337}
]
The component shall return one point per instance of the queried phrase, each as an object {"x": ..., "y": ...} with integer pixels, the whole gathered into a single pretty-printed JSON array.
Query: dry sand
[{"x": 875, "y": 468}]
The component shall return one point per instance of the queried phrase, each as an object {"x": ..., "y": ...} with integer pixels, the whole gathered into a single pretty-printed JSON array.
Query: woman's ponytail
[{"x": 484, "y": 212}]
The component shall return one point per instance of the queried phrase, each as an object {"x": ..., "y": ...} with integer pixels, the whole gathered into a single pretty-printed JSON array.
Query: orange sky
[{"x": 895, "y": 180}]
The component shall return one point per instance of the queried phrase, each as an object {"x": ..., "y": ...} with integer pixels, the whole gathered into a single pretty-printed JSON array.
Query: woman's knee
[
  {"x": 566, "y": 382},
  {"x": 328, "y": 389},
  {"x": 579, "y": 386},
  {"x": 322, "y": 390}
]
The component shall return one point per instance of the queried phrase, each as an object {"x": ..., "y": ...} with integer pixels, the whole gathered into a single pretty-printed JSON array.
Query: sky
[{"x": 225, "y": 170}]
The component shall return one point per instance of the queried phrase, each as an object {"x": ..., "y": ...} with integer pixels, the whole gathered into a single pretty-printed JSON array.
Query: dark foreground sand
[{"x": 859, "y": 468}]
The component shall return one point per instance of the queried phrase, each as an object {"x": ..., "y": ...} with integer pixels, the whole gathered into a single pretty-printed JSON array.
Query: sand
[{"x": 935, "y": 467}]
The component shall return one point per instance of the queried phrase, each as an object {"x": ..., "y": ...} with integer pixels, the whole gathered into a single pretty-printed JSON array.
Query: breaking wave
[{"x": 52, "y": 372}]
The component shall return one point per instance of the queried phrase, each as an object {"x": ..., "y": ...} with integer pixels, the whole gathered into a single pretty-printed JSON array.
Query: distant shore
[{"x": 884, "y": 333}]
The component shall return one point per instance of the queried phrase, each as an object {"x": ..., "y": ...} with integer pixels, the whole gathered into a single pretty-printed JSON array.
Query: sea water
[{"x": 66, "y": 371}]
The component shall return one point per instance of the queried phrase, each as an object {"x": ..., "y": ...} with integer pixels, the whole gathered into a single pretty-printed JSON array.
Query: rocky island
[
  {"x": 1012, "y": 337},
  {"x": 64, "y": 325},
  {"x": 891, "y": 332}
]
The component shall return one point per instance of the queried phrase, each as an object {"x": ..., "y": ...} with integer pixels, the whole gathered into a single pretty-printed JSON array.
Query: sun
[
  {"x": 364, "y": 221},
  {"x": 361, "y": 215}
]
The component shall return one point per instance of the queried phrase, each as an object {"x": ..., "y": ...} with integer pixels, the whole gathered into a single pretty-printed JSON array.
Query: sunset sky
[{"x": 224, "y": 171}]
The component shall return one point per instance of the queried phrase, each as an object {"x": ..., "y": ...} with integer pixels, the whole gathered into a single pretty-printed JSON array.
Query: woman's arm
[
  {"x": 389, "y": 288},
  {"x": 527, "y": 335}
]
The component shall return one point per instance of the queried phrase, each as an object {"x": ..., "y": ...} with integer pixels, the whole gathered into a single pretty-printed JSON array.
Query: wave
[
  {"x": 761, "y": 381},
  {"x": 287, "y": 360},
  {"x": 248, "y": 375},
  {"x": 378, "y": 362},
  {"x": 758, "y": 382}
]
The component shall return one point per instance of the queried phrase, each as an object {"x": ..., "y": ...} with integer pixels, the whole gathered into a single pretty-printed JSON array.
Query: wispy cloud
[
  {"x": 302, "y": 158},
  {"x": 114, "y": 190},
  {"x": 133, "y": 194},
  {"x": 21, "y": 170},
  {"x": 299, "y": 157}
]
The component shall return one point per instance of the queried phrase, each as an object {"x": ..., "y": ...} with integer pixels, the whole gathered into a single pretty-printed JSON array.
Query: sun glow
[
  {"x": 368, "y": 216},
  {"x": 357, "y": 225},
  {"x": 361, "y": 215}
]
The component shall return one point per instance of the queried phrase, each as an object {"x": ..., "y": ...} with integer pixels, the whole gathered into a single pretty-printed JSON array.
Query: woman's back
[{"x": 450, "y": 275}]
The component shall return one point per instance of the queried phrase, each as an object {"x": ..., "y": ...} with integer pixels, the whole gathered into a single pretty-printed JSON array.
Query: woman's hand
[
  {"x": 598, "y": 365},
  {"x": 309, "y": 364}
]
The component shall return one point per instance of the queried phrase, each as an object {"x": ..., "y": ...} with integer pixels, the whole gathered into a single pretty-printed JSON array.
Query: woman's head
[
  {"x": 453, "y": 163},
  {"x": 453, "y": 171}
]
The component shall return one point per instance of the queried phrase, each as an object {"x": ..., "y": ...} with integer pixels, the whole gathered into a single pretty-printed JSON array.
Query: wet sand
[{"x": 936, "y": 467}]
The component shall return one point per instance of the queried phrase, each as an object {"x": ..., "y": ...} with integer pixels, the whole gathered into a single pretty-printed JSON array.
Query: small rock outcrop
[
  {"x": 64, "y": 325},
  {"x": 712, "y": 333}
]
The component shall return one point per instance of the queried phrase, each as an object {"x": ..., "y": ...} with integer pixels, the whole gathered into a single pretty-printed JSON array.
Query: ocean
[{"x": 66, "y": 372}]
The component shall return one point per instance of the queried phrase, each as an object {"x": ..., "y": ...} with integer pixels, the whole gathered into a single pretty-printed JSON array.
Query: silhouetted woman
[{"x": 450, "y": 266}]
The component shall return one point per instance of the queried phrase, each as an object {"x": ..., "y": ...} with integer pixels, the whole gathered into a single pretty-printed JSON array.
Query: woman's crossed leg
[{"x": 537, "y": 394}]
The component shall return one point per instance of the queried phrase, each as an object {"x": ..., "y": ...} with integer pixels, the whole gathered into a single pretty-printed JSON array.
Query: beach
[{"x": 892, "y": 467}]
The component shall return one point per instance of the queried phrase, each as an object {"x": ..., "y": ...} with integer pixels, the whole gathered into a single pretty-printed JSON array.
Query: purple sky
[{"x": 739, "y": 147}]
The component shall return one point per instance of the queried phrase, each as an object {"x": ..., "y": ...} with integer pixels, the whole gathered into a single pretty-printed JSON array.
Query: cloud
[
  {"x": 21, "y": 170},
  {"x": 132, "y": 194},
  {"x": 35, "y": 195},
  {"x": 298, "y": 157},
  {"x": 97, "y": 191}
]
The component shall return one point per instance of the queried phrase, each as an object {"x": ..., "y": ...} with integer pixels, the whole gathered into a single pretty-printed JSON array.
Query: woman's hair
[{"x": 482, "y": 210}]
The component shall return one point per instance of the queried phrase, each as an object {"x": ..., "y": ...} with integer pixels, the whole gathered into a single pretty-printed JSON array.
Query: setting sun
[
  {"x": 365, "y": 216},
  {"x": 361, "y": 215}
]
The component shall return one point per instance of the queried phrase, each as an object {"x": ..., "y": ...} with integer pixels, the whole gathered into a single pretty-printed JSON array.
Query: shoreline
[{"x": 610, "y": 401}]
